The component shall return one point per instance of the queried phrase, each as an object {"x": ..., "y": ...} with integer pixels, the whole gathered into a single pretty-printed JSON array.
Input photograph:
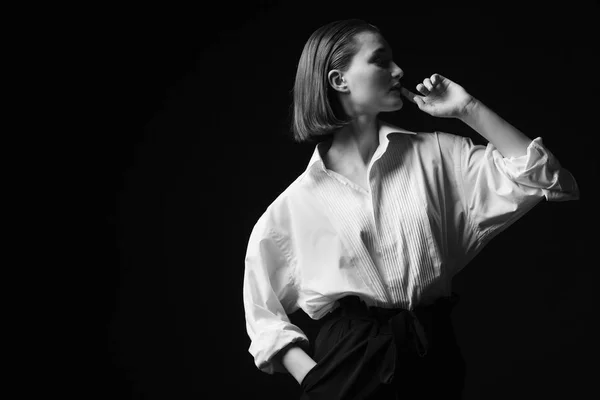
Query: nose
[{"x": 397, "y": 71}]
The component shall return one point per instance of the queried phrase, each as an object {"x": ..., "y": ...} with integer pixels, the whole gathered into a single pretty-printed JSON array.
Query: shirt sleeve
[
  {"x": 497, "y": 191},
  {"x": 268, "y": 291}
]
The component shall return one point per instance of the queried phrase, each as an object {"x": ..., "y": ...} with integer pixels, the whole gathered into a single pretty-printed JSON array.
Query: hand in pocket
[{"x": 307, "y": 376}]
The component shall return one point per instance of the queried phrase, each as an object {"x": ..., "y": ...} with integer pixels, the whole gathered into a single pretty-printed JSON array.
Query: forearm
[
  {"x": 296, "y": 361},
  {"x": 509, "y": 141}
]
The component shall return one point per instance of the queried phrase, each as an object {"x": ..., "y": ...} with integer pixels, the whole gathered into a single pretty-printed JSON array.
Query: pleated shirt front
[{"x": 434, "y": 201}]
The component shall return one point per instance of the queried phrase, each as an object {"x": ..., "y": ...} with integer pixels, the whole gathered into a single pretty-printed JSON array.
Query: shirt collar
[{"x": 385, "y": 129}]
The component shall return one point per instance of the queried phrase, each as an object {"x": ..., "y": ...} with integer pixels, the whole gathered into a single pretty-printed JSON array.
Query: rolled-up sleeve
[
  {"x": 268, "y": 292},
  {"x": 497, "y": 191}
]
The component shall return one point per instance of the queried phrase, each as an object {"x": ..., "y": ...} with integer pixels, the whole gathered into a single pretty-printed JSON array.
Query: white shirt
[{"x": 435, "y": 201}]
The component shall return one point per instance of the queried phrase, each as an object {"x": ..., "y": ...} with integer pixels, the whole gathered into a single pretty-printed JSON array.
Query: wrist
[
  {"x": 469, "y": 110},
  {"x": 297, "y": 362}
]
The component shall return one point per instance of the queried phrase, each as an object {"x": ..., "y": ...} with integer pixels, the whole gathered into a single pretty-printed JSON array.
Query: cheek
[
  {"x": 384, "y": 81},
  {"x": 371, "y": 85}
]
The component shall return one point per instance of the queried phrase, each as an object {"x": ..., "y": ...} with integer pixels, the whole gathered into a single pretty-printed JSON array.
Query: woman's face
[{"x": 371, "y": 75}]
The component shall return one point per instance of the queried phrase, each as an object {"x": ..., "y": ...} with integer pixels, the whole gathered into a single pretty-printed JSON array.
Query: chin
[{"x": 395, "y": 106}]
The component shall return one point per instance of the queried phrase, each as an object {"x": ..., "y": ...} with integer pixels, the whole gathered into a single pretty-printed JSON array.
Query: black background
[{"x": 195, "y": 144}]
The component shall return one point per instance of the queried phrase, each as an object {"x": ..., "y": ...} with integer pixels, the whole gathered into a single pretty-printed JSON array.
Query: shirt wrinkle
[{"x": 387, "y": 248}]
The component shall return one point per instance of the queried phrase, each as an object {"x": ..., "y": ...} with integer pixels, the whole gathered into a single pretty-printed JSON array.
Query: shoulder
[
  {"x": 421, "y": 139},
  {"x": 276, "y": 218},
  {"x": 437, "y": 139},
  {"x": 446, "y": 145},
  {"x": 429, "y": 147}
]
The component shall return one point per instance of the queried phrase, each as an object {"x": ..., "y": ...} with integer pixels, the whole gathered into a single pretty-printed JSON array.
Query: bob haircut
[{"x": 316, "y": 110}]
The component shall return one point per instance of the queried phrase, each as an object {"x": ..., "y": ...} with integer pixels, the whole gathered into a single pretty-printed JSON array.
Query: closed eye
[
  {"x": 381, "y": 57},
  {"x": 383, "y": 62}
]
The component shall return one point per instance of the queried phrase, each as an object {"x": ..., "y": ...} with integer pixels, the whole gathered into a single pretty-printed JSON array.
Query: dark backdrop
[{"x": 196, "y": 144}]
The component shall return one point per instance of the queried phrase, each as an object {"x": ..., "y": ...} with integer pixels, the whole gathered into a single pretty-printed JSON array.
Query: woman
[{"x": 369, "y": 237}]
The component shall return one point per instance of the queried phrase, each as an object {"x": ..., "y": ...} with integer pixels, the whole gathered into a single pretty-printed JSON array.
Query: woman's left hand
[{"x": 440, "y": 97}]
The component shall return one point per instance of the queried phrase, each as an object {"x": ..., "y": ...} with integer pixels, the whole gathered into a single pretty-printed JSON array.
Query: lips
[{"x": 397, "y": 87}]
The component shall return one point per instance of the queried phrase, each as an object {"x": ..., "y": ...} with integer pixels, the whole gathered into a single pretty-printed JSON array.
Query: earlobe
[{"x": 337, "y": 81}]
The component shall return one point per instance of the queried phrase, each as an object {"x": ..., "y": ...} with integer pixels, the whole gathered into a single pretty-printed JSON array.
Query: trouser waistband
[{"x": 417, "y": 322}]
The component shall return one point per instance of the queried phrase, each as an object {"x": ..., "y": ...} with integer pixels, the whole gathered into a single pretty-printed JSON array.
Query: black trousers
[{"x": 376, "y": 353}]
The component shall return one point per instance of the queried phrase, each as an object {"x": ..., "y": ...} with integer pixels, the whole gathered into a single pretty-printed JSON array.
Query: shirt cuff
[
  {"x": 268, "y": 344},
  {"x": 540, "y": 169},
  {"x": 536, "y": 159}
]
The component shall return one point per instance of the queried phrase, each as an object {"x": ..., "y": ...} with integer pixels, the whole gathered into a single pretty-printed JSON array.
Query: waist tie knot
[
  {"x": 410, "y": 328},
  {"x": 419, "y": 336}
]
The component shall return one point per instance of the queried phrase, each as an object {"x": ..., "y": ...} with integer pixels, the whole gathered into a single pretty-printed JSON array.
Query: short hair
[{"x": 316, "y": 110}]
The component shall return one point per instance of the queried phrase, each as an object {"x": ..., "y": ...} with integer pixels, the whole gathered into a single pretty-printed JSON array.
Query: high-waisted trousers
[{"x": 376, "y": 353}]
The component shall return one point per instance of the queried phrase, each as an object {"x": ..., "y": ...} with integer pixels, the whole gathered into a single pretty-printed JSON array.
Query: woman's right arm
[
  {"x": 296, "y": 361},
  {"x": 269, "y": 283}
]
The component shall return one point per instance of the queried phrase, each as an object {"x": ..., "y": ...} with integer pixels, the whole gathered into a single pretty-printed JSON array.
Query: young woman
[{"x": 371, "y": 234}]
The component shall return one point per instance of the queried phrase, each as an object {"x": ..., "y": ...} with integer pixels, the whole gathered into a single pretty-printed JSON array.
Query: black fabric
[{"x": 377, "y": 353}]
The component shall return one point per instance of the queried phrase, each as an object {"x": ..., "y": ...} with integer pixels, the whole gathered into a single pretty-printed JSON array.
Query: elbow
[
  {"x": 563, "y": 192},
  {"x": 568, "y": 188}
]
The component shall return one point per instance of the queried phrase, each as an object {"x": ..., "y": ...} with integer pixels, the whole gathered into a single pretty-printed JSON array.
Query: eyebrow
[{"x": 376, "y": 53}]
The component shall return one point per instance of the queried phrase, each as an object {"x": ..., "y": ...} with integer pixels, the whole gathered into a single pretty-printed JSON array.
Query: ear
[{"x": 336, "y": 81}]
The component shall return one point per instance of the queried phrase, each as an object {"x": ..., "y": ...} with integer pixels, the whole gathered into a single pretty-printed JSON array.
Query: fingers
[
  {"x": 430, "y": 84},
  {"x": 412, "y": 97},
  {"x": 408, "y": 94},
  {"x": 426, "y": 87},
  {"x": 437, "y": 79},
  {"x": 422, "y": 89}
]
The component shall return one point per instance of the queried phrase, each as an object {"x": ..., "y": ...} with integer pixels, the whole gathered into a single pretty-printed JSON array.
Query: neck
[{"x": 355, "y": 144}]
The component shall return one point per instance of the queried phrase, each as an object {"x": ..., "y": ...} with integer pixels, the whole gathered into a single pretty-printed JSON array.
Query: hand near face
[{"x": 440, "y": 97}]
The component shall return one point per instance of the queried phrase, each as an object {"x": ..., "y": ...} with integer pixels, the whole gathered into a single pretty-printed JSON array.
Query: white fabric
[{"x": 435, "y": 200}]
